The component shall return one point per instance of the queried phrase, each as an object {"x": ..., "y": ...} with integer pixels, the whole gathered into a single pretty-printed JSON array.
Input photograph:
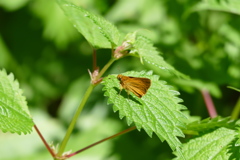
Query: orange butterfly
[{"x": 136, "y": 85}]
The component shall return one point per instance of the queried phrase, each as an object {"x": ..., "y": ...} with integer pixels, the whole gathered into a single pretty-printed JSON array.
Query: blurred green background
[{"x": 50, "y": 60}]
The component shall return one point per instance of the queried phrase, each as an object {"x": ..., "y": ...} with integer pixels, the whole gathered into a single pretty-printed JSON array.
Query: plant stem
[
  {"x": 236, "y": 110},
  {"x": 74, "y": 120},
  {"x": 94, "y": 144},
  {"x": 84, "y": 100},
  {"x": 94, "y": 59},
  {"x": 44, "y": 141},
  {"x": 106, "y": 67},
  {"x": 209, "y": 103}
]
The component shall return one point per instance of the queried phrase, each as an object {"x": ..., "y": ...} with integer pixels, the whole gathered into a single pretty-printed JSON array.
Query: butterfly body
[{"x": 136, "y": 85}]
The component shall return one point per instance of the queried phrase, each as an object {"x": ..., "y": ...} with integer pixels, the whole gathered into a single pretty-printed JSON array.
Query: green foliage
[
  {"x": 226, "y": 6},
  {"x": 208, "y": 124},
  {"x": 216, "y": 139},
  {"x": 234, "y": 147},
  {"x": 149, "y": 54},
  {"x": 56, "y": 28},
  {"x": 158, "y": 111},
  {"x": 14, "y": 115},
  {"x": 213, "y": 145},
  {"x": 99, "y": 32},
  {"x": 13, "y": 5},
  {"x": 47, "y": 55},
  {"x": 234, "y": 88}
]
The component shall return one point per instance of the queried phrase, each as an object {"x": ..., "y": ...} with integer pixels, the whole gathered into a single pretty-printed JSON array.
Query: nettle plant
[{"x": 159, "y": 111}]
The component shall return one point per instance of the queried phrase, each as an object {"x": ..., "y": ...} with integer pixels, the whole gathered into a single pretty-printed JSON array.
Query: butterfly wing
[{"x": 137, "y": 86}]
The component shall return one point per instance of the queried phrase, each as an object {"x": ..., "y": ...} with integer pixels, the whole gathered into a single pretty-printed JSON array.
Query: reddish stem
[
  {"x": 94, "y": 59},
  {"x": 44, "y": 141},
  {"x": 209, "y": 103},
  {"x": 94, "y": 144}
]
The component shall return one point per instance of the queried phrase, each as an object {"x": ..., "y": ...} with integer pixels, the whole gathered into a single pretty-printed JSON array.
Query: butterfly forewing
[{"x": 136, "y": 85}]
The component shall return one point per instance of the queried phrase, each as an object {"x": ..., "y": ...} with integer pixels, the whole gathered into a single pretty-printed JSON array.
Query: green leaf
[
  {"x": 233, "y": 88},
  {"x": 231, "y": 6},
  {"x": 148, "y": 53},
  {"x": 56, "y": 26},
  {"x": 157, "y": 111},
  {"x": 14, "y": 114},
  {"x": 98, "y": 32},
  {"x": 208, "y": 124},
  {"x": 235, "y": 146},
  {"x": 13, "y": 4},
  {"x": 211, "y": 146}
]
